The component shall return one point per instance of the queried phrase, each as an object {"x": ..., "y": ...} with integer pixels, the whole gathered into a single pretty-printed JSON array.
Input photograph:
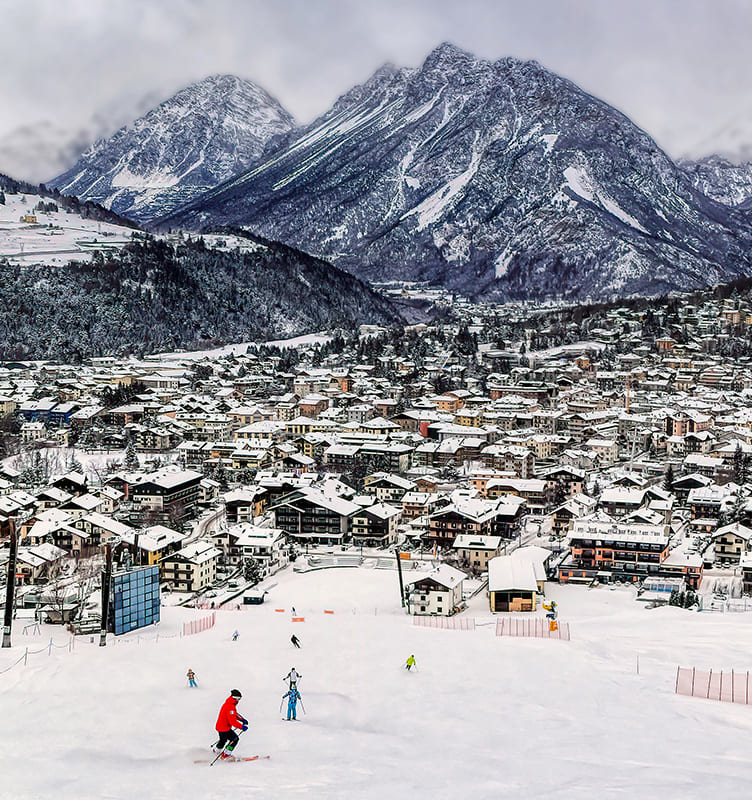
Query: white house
[
  {"x": 477, "y": 550},
  {"x": 731, "y": 542},
  {"x": 436, "y": 592},
  {"x": 267, "y": 545},
  {"x": 193, "y": 568}
]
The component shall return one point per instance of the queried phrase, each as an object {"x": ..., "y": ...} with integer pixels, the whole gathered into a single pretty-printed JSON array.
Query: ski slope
[
  {"x": 57, "y": 237},
  {"x": 483, "y": 716}
]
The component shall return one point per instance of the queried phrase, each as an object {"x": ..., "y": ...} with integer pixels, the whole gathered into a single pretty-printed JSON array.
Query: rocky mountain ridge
[
  {"x": 721, "y": 179},
  {"x": 499, "y": 180}
]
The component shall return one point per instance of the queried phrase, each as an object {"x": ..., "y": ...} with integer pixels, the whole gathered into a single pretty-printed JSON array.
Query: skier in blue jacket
[{"x": 292, "y": 701}]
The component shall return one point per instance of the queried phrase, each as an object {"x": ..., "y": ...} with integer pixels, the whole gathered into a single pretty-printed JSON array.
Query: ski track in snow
[{"x": 484, "y": 717}]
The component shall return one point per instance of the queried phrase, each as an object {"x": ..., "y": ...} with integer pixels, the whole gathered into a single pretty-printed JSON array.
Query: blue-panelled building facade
[{"x": 134, "y": 599}]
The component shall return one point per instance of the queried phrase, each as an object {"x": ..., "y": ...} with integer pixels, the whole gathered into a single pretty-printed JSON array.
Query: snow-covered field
[
  {"x": 70, "y": 238},
  {"x": 240, "y": 348},
  {"x": 483, "y": 717}
]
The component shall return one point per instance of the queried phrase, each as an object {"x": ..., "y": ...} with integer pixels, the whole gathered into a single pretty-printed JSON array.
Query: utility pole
[
  {"x": 399, "y": 572},
  {"x": 11, "y": 584},
  {"x": 106, "y": 577}
]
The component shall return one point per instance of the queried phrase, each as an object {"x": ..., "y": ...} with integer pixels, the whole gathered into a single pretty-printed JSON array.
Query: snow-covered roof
[
  {"x": 468, "y": 541},
  {"x": 444, "y": 575},
  {"x": 735, "y": 529},
  {"x": 506, "y": 573}
]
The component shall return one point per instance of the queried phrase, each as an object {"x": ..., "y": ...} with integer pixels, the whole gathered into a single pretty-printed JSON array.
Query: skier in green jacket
[{"x": 410, "y": 663}]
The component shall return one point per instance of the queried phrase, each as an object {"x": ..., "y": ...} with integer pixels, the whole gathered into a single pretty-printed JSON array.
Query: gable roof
[{"x": 506, "y": 573}]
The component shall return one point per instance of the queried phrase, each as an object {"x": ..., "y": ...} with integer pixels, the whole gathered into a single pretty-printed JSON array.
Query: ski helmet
[{"x": 235, "y": 693}]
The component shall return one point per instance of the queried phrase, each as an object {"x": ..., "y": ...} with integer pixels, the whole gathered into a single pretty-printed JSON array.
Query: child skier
[
  {"x": 292, "y": 677},
  {"x": 410, "y": 663},
  {"x": 293, "y": 696},
  {"x": 191, "y": 675},
  {"x": 235, "y": 636},
  {"x": 227, "y": 720},
  {"x": 294, "y": 639}
]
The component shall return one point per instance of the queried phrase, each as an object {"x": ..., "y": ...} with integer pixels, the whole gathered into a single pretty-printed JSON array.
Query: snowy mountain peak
[
  {"x": 203, "y": 135},
  {"x": 449, "y": 58}
]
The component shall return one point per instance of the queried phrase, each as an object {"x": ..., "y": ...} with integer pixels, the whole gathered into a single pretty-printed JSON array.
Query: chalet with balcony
[
  {"x": 376, "y": 525},
  {"x": 192, "y": 568},
  {"x": 625, "y": 551},
  {"x": 437, "y": 593},
  {"x": 310, "y": 515},
  {"x": 167, "y": 495},
  {"x": 731, "y": 543}
]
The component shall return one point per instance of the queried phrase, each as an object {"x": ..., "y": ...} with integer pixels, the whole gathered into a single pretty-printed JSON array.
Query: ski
[{"x": 231, "y": 759}]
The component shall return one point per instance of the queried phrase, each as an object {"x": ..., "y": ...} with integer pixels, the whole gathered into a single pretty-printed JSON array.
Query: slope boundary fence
[
  {"x": 534, "y": 628},
  {"x": 728, "y": 687},
  {"x": 446, "y": 623},
  {"x": 199, "y": 625},
  {"x": 48, "y": 648}
]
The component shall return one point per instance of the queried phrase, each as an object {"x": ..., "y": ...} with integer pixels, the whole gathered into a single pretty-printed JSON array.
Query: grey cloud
[{"x": 677, "y": 68}]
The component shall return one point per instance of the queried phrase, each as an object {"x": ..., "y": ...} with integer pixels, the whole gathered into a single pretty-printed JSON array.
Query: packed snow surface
[
  {"x": 56, "y": 237},
  {"x": 482, "y": 717}
]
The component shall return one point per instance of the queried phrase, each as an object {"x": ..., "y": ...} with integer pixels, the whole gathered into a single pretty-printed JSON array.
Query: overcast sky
[{"x": 678, "y": 68}]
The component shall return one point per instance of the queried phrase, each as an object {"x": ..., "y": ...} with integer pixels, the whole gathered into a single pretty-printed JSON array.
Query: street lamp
[
  {"x": 11, "y": 584},
  {"x": 399, "y": 572}
]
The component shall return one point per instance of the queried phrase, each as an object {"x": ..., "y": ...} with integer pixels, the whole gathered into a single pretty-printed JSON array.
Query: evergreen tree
[
  {"x": 252, "y": 570},
  {"x": 131, "y": 459},
  {"x": 739, "y": 467},
  {"x": 668, "y": 478}
]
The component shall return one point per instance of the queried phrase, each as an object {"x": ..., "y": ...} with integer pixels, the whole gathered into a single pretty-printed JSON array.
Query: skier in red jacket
[{"x": 227, "y": 720}]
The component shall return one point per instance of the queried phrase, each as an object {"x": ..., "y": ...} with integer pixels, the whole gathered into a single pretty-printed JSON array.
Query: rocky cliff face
[
  {"x": 203, "y": 135},
  {"x": 721, "y": 179},
  {"x": 499, "y": 180}
]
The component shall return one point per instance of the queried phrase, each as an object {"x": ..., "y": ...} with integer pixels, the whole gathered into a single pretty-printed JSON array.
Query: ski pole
[
  {"x": 300, "y": 700},
  {"x": 223, "y": 750},
  {"x": 282, "y": 702}
]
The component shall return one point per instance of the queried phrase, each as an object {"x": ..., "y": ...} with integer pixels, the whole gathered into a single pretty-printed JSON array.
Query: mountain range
[{"x": 498, "y": 180}]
